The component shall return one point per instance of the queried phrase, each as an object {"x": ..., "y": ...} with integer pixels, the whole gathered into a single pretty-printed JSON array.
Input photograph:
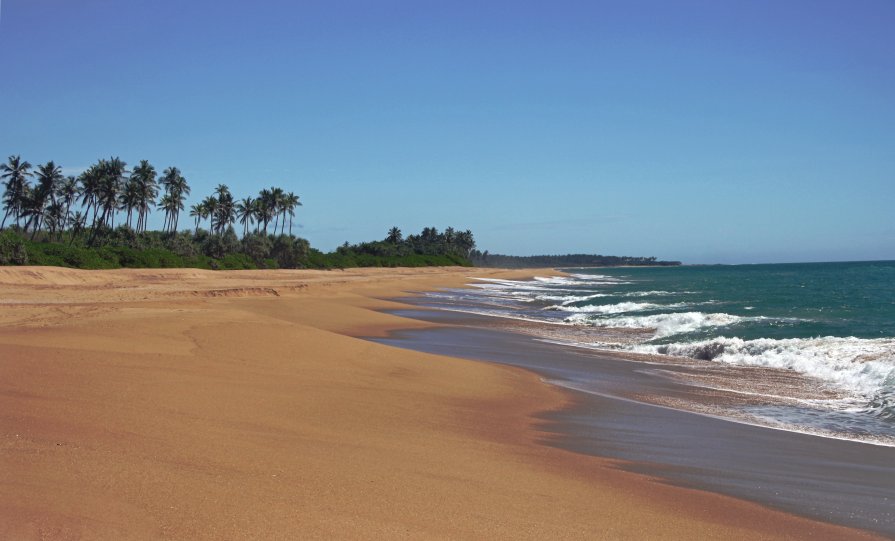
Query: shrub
[
  {"x": 12, "y": 249},
  {"x": 257, "y": 247},
  {"x": 290, "y": 252}
]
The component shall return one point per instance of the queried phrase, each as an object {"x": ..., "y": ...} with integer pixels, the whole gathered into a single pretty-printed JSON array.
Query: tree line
[
  {"x": 429, "y": 247},
  {"x": 54, "y": 202},
  {"x": 99, "y": 219}
]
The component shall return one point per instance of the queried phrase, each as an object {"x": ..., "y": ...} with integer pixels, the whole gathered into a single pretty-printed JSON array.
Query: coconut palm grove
[{"x": 99, "y": 219}]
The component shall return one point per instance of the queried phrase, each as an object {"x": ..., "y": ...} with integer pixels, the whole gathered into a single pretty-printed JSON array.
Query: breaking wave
[
  {"x": 569, "y": 299},
  {"x": 619, "y": 308},
  {"x": 865, "y": 367},
  {"x": 664, "y": 324}
]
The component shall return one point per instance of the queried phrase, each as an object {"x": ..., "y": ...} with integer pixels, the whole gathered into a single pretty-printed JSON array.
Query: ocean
[{"x": 807, "y": 348}]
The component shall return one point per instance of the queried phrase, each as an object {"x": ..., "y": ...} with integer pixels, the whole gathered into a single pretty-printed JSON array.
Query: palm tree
[
  {"x": 449, "y": 237},
  {"x": 210, "y": 204},
  {"x": 110, "y": 187},
  {"x": 90, "y": 188},
  {"x": 276, "y": 206},
  {"x": 128, "y": 199},
  {"x": 16, "y": 173},
  {"x": 67, "y": 194},
  {"x": 245, "y": 212},
  {"x": 146, "y": 190},
  {"x": 54, "y": 217},
  {"x": 198, "y": 212},
  {"x": 224, "y": 210},
  {"x": 177, "y": 188},
  {"x": 291, "y": 201},
  {"x": 172, "y": 206},
  {"x": 394, "y": 236},
  {"x": 465, "y": 242},
  {"x": 76, "y": 221},
  {"x": 166, "y": 203},
  {"x": 49, "y": 178},
  {"x": 265, "y": 208},
  {"x": 29, "y": 208}
]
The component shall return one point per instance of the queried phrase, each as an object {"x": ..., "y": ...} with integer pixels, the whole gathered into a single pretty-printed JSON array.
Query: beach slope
[{"x": 187, "y": 404}]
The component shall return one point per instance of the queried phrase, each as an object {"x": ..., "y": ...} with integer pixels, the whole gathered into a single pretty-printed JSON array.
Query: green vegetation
[
  {"x": 156, "y": 249},
  {"x": 426, "y": 249},
  {"x": 123, "y": 248},
  {"x": 70, "y": 222}
]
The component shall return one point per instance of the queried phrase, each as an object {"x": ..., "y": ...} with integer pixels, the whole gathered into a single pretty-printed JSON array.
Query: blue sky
[{"x": 704, "y": 131}]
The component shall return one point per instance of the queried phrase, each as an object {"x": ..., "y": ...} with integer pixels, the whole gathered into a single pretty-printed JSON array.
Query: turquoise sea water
[
  {"x": 832, "y": 324},
  {"x": 800, "y": 300}
]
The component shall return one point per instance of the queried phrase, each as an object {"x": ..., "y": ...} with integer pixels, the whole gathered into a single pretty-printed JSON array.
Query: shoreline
[
  {"x": 178, "y": 403},
  {"x": 790, "y": 471},
  {"x": 725, "y": 414}
]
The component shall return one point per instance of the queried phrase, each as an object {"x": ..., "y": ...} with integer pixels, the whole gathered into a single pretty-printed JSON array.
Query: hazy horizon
[{"x": 706, "y": 132}]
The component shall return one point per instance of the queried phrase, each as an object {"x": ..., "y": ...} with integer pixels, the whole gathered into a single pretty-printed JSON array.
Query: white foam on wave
[
  {"x": 569, "y": 299},
  {"x": 657, "y": 293},
  {"x": 738, "y": 417},
  {"x": 497, "y": 313},
  {"x": 860, "y": 365},
  {"x": 580, "y": 280},
  {"x": 511, "y": 289},
  {"x": 618, "y": 308},
  {"x": 498, "y": 283},
  {"x": 475, "y": 295},
  {"x": 664, "y": 324},
  {"x": 599, "y": 277},
  {"x": 546, "y": 289},
  {"x": 501, "y": 284}
]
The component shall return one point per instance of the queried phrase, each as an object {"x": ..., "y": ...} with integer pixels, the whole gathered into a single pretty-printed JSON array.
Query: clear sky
[{"x": 704, "y": 131}]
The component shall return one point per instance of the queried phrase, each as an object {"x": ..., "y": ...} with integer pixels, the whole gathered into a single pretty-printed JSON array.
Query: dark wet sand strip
[{"x": 842, "y": 482}]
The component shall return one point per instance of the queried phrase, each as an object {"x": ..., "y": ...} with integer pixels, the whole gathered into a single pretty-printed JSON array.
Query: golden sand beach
[{"x": 187, "y": 404}]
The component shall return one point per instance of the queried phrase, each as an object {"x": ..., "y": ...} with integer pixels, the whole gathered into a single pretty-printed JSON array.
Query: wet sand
[
  {"x": 616, "y": 413},
  {"x": 183, "y": 404}
]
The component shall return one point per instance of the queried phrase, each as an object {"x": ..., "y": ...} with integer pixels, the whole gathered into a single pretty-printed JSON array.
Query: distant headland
[{"x": 485, "y": 259}]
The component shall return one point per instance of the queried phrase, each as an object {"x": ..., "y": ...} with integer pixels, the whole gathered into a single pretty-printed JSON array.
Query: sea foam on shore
[{"x": 774, "y": 317}]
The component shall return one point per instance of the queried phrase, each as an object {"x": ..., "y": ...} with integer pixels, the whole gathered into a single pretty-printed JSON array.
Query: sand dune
[{"x": 186, "y": 404}]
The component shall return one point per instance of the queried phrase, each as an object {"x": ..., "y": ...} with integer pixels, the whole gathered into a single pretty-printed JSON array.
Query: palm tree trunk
[
  {"x": 87, "y": 211},
  {"x": 36, "y": 227},
  {"x": 67, "y": 212}
]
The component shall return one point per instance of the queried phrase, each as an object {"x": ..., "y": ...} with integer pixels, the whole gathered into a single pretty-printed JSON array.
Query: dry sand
[{"x": 184, "y": 404}]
